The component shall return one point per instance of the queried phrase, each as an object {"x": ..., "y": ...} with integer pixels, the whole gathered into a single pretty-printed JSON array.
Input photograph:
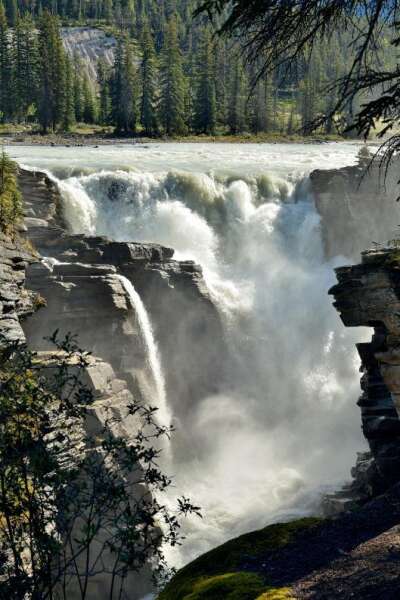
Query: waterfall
[
  {"x": 159, "y": 398},
  {"x": 284, "y": 422}
]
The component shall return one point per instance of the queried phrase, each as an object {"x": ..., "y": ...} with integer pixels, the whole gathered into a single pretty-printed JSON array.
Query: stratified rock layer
[
  {"x": 357, "y": 206},
  {"x": 85, "y": 296},
  {"x": 16, "y": 301},
  {"x": 368, "y": 294}
]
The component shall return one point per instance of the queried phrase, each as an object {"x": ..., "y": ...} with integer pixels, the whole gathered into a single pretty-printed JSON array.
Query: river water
[{"x": 287, "y": 427}]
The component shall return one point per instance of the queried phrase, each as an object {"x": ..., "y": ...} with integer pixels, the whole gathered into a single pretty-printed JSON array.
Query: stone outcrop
[
  {"x": 368, "y": 294},
  {"x": 107, "y": 417},
  {"x": 16, "y": 302},
  {"x": 85, "y": 296},
  {"x": 357, "y": 206}
]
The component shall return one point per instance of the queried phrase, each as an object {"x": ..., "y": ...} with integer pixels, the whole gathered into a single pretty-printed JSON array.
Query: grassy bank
[{"x": 97, "y": 135}]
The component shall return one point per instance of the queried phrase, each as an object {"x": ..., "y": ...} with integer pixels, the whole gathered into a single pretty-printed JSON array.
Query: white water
[
  {"x": 157, "y": 395},
  {"x": 287, "y": 424}
]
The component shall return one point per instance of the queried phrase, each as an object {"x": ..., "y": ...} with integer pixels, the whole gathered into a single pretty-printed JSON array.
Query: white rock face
[{"x": 91, "y": 45}]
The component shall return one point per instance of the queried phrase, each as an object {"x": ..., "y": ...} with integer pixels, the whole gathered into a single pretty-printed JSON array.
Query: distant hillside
[{"x": 147, "y": 66}]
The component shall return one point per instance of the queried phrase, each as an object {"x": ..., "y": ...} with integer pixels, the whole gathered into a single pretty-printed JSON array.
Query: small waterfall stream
[{"x": 158, "y": 398}]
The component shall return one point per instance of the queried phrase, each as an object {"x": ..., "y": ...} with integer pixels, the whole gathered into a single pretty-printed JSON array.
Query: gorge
[{"x": 200, "y": 274}]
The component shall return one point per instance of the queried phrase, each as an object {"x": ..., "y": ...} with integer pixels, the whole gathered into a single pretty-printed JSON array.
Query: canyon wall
[
  {"x": 79, "y": 284},
  {"x": 357, "y": 205},
  {"x": 358, "y": 210}
]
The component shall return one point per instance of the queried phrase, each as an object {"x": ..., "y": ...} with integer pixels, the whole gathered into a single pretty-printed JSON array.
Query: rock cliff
[
  {"x": 79, "y": 282},
  {"x": 368, "y": 294},
  {"x": 357, "y": 206},
  {"x": 16, "y": 302},
  {"x": 80, "y": 279}
]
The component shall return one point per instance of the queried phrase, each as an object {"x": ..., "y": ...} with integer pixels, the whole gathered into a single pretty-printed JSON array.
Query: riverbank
[{"x": 99, "y": 136}]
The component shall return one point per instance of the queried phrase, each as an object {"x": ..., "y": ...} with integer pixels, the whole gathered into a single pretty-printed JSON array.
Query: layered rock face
[
  {"x": 107, "y": 417},
  {"x": 85, "y": 296},
  {"x": 357, "y": 206},
  {"x": 368, "y": 294},
  {"x": 16, "y": 302}
]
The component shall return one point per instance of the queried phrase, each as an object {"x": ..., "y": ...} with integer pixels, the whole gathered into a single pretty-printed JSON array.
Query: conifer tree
[
  {"x": 5, "y": 66},
  {"x": 172, "y": 84},
  {"x": 25, "y": 62},
  {"x": 12, "y": 12},
  {"x": 237, "y": 104},
  {"x": 89, "y": 102},
  {"x": 206, "y": 102},
  {"x": 52, "y": 95},
  {"x": 103, "y": 79},
  {"x": 124, "y": 89},
  {"x": 149, "y": 75},
  {"x": 78, "y": 88},
  {"x": 69, "y": 115}
]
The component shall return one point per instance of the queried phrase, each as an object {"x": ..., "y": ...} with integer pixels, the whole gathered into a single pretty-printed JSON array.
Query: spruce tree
[
  {"x": 103, "y": 79},
  {"x": 12, "y": 12},
  {"x": 5, "y": 66},
  {"x": 89, "y": 102},
  {"x": 172, "y": 84},
  {"x": 237, "y": 101},
  {"x": 52, "y": 92},
  {"x": 69, "y": 114},
  {"x": 25, "y": 61},
  {"x": 78, "y": 88},
  {"x": 124, "y": 89},
  {"x": 206, "y": 102},
  {"x": 149, "y": 76}
]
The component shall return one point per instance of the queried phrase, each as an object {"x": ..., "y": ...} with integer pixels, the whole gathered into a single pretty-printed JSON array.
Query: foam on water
[{"x": 287, "y": 423}]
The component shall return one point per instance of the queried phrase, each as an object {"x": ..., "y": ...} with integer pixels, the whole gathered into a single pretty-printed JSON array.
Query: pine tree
[
  {"x": 124, "y": 89},
  {"x": 25, "y": 61},
  {"x": 206, "y": 102},
  {"x": 52, "y": 93},
  {"x": 12, "y": 12},
  {"x": 237, "y": 104},
  {"x": 5, "y": 66},
  {"x": 89, "y": 102},
  {"x": 172, "y": 84},
  {"x": 78, "y": 88},
  {"x": 149, "y": 75},
  {"x": 69, "y": 114},
  {"x": 103, "y": 79}
]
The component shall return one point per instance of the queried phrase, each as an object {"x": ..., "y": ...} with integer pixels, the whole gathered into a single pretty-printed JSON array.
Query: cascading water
[
  {"x": 157, "y": 395},
  {"x": 285, "y": 423}
]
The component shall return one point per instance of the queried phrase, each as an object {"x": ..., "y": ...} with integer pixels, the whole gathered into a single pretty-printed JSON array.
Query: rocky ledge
[
  {"x": 357, "y": 205},
  {"x": 80, "y": 278},
  {"x": 368, "y": 294},
  {"x": 16, "y": 302}
]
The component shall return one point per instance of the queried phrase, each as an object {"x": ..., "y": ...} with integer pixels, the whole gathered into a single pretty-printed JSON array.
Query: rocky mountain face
[{"x": 91, "y": 45}]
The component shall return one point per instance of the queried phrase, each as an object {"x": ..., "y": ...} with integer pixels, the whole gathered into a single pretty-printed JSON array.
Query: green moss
[
  {"x": 230, "y": 557},
  {"x": 232, "y": 586},
  {"x": 277, "y": 594}
]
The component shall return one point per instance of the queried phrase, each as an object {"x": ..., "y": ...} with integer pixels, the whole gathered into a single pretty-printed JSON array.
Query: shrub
[{"x": 10, "y": 197}]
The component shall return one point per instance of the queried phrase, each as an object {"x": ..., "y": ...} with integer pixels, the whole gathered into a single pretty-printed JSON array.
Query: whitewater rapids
[{"x": 287, "y": 425}]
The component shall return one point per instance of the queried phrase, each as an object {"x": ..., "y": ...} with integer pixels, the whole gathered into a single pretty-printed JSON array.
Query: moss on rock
[{"x": 224, "y": 566}]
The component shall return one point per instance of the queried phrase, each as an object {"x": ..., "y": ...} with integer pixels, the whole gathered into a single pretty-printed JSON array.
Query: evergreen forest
[{"x": 171, "y": 75}]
